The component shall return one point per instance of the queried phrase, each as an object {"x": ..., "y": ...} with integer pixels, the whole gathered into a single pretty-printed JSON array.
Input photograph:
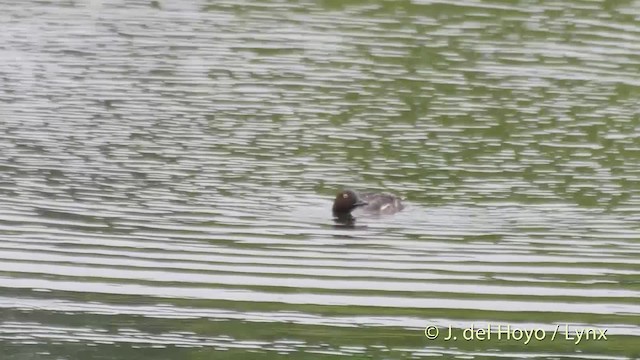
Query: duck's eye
[{"x": 345, "y": 195}]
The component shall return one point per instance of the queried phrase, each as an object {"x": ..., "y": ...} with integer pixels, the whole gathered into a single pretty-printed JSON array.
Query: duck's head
[{"x": 345, "y": 202}]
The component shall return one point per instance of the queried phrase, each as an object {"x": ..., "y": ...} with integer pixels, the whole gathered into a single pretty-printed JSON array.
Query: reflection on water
[{"x": 167, "y": 172}]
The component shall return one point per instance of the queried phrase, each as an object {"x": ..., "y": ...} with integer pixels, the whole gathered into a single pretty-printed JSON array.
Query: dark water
[{"x": 167, "y": 170}]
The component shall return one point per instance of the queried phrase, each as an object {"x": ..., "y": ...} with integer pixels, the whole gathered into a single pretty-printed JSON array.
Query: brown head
[{"x": 345, "y": 202}]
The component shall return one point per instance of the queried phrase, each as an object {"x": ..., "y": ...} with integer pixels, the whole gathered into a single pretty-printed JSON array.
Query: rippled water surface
[{"x": 167, "y": 170}]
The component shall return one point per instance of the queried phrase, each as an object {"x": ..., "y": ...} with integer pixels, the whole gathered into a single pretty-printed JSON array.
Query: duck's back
[{"x": 382, "y": 203}]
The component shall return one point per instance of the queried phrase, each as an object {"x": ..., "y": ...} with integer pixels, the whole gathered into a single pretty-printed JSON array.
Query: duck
[{"x": 372, "y": 203}]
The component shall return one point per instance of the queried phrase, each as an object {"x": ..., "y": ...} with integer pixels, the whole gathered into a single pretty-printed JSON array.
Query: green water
[{"x": 167, "y": 170}]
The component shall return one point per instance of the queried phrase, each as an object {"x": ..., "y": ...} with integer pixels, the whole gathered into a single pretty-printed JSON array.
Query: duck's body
[
  {"x": 372, "y": 203},
  {"x": 381, "y": 203}
]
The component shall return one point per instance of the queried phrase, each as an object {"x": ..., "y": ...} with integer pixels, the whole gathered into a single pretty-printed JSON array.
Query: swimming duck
[{"x": 373, "y": 203}]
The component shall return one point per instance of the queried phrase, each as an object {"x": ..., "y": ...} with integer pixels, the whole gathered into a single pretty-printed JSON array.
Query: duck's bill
[{"x": 360, "y": 203}]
